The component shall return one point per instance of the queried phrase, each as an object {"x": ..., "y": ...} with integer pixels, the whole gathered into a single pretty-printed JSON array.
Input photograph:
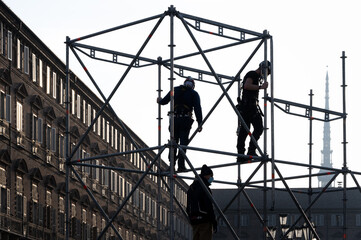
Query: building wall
[
  {"x": 326, "y": 213},
  {"x": 33, "y": 152}
]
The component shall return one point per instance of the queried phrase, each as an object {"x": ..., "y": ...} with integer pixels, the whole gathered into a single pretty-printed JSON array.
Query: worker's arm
[{"x": 248, "y": 85}]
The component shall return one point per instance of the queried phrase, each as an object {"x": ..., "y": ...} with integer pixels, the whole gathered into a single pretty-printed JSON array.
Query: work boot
[
  {"x": 242, "y": 159},
  {"x": 252, "y": 152}
]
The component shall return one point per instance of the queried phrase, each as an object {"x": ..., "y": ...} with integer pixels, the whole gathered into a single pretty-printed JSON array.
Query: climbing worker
[
  {"x": 249, "y": 109},
  {"x": 200, "y": 207},
  {"x": 185, "y": 100}
]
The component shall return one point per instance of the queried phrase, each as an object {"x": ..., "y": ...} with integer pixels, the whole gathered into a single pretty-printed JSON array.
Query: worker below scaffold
[
  {"x": 185, "y": 100},
  {"x": 249, "y": 108}
]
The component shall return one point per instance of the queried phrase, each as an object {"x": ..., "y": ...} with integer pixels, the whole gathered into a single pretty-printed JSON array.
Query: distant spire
[{"x": 326, "y": 152}]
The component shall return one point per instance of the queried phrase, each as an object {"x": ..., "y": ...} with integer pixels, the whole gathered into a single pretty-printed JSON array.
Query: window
[
  {"x": 50, "y": 138},
  {"x": 318, "y": 219},
  {"x": 1, "y": 38},
  {"x": 26, "y": 60},
  {"x": 95, "y": 125},
  {"x": 89, "y": 119},
  {"x": 18, "y": 54},
  {"x": 336, "y": 220},
  {"x": 83, "y": 215},
  {"x": 4, "y": 199},
  {"x": 105, "y": 177},
  {"x": 107, "y": 132},
  {"x": 37, "y": 129},
  {"x": 99, "y": 123},
  {"x": 54, "y": 85},
  {"x": 61, "y": 146},
  {"x": 78, "y": 106},
  {"x": 112, "y": 136},
  {"x": 2, "y": 177},
  {"x": 5, "y": 106},
  {"x": 61, "y": 91},
  {"x": 84, "y": 111},
  {"x": 73, "y": 210},
  {"x": 94, "y": 220},
  {"x": 19, "y": 200},
  {"x": 19, "y": 116},
  {"x": 40, "y": 73},
  {"x": 10, "y": 45},
  {"x": 34, "y": 72},
  {"x": 73, "y": 102},
  {"x": 120, "y": 186},
  {"x": 48, "y": 214},
  {"x": 116, "y": 139},
  {"x": 358, "y": 220},
  {"x": 48, "y": 80},
  {"x": 61, "y": 215},
  {"x": 104, "y": 129},
  {"x": 48, "y": 198}
]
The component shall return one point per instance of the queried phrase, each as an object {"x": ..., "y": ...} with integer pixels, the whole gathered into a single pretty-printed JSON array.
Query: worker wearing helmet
[
  {"x": 249, "y": 109},
  {"x": 186, "y": 99}
]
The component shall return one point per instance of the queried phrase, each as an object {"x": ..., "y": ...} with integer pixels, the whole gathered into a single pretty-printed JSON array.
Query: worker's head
[
  {"x": 207, "y": 173},
  {"x": 265, "y": 65},
  {"x": 189, "y": 82}
]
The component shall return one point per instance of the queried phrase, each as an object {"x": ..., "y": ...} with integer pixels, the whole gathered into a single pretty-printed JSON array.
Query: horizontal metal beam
[{"x": 307, "y": 107}]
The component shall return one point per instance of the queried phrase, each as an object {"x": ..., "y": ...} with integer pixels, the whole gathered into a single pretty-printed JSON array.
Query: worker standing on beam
[
  {"x": 185, "y": 100},
  {"x": 249, "y": 109}
]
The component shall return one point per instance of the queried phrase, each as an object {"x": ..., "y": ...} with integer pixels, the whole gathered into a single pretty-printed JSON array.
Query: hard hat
[
  {"x": 189, "y": 82},
  {"x": 266, "y": 63}
]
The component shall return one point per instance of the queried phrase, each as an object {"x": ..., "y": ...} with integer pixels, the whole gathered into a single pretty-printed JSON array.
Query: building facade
[
  {"x": 32, "y": 154},
  {"x": 326, "y": 213}
]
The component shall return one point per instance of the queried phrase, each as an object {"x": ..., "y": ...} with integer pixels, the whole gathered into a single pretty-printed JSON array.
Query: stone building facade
[
  {"x": 32, "y": 154},
  {"x": 326, "y": 213}
]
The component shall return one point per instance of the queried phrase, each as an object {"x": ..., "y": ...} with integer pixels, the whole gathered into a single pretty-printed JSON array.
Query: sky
[{"x": 308, "y": 40}]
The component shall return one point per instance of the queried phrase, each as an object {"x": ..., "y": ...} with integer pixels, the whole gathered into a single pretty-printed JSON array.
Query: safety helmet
[
  {"x": 189, "y": 82},
  {"x": 263, "y": 64}
]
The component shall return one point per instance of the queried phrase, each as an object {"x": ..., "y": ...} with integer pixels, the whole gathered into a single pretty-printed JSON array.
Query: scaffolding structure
[{"x": 245, "y": 36}]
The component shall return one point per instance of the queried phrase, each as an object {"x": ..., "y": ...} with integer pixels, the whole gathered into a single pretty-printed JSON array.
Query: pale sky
[{"x": 309, "y": 37}]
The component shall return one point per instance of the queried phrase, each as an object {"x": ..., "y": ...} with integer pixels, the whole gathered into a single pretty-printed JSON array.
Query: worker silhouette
[
  {"x": 200, "y": 207},
  {"x": 185, "y": 100},
  {"x": 249, "y": 109}
]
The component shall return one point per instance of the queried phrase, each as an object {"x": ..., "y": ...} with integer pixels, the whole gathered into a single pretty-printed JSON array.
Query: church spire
[{"x": 326, "y": 152}]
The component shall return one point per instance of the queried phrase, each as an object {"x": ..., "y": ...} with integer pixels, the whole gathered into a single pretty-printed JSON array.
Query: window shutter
[
  {"x": 40, "y": 130},
  {"x": 33, "y": 67},
  {"x": 10, "y": 45},
  {"x": 53, "y": 139},
  {"x": 26, "y": 60},
  {"x": 8, "y": 110}
]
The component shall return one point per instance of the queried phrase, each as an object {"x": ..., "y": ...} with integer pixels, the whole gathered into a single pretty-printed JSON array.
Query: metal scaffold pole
[
  {"x": 67, "y": 141},
  {"x": 265, "y": 129},
  {"x": 171, "y": 115},
  {"x": 345, "y": 168},
  {"x": 159, "y": 198},
  {"x": 310, "y": 144}
]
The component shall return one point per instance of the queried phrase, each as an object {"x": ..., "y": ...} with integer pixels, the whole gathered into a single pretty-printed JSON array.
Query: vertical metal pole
[
  {"x": 310, "y": 159},
  {"x": 265, "y": 145},
  {"x": 172, "y": 146},
  {"x": 344, "y": 144},
  {"x": 159, "y": 143},
  {"x": 67, "y": 140},
  {"x": 272, "y": 128},
  {"x": 239, "y": 181}
]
